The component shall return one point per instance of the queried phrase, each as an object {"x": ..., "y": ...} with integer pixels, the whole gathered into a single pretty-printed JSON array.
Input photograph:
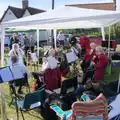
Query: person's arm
[
  {"x": 24, "y": 69},
  {"x": 10, "y": 53},
  {"x": 45, "y": 66},
  {"x": 22, "y": 52},
  {"x": 102, "y": 62}
]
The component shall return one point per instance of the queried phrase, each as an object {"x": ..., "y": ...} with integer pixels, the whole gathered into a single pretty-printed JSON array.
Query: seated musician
[
  {"x": 100, "y": 65},
  {"x": 22, "y": 67},
  {"x": 86, "y": 63},
  {"x": 88, "y": 57},
  {"x": 85, "y": 43},
  {"x": 76, "y": 48}
]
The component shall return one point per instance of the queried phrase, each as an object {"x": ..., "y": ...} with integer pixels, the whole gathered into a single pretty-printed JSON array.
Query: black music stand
[{"x": 7, "y": 75}]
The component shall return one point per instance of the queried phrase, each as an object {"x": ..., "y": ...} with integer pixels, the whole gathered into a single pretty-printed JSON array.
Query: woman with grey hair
[{"x": 100, "y": 65}]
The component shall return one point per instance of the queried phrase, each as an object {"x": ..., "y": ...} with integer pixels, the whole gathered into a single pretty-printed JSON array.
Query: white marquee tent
[
  {"x": 67, "y": 17},
  {"x": 63, "y": 18}
]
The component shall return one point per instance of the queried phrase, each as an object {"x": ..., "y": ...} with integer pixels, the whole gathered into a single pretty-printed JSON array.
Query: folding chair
[
  {"x": 93, "y": 110},
  {"x": 68, "y": 85},
  {"x": 31, "y": 101},
  {"x": 38, "y": 79}
]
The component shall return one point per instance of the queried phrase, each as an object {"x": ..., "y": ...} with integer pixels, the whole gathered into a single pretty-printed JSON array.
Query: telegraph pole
[
  {"x": 53, "y": 4},
  {"x": 114, "y": 29},
  {"x": 114, "y": 2}
]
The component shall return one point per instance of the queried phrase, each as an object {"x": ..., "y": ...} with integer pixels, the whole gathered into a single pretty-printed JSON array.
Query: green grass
[
  {"x": 35, "y": 115},
  {"x": 113, "y": 76}
]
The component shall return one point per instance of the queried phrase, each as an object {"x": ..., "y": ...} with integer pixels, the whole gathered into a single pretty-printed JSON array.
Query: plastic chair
[
  {"x": 93, "y": 110},
  {"x": 31, "y": 101}
]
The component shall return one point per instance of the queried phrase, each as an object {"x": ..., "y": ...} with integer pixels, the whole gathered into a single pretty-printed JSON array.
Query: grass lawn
[
  {"x": 34, "y": 114},
  {"x": 113, "y": 76}
]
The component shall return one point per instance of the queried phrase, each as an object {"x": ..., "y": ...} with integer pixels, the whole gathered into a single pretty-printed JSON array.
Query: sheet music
[
  {"x": 35, "y": 105},
  {"x": 6, "y": 75},
  {"x": 34, "y": 57},
  {"x": 52, "y": 62},
  {"x": 71, "y": 57}
]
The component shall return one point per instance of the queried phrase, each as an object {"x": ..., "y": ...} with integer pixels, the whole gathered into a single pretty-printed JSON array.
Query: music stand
[
  {"x": 72, "y": 58},
  {"x": 7, "y": 75}
]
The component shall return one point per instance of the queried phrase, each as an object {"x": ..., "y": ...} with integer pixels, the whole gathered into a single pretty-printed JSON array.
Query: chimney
[
  {"x": 25, "y": 4},
  {"x": 114, "y": 1}
]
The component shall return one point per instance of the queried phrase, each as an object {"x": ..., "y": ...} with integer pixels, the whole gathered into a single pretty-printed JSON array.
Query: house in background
[
  {"x": 99, "y": 6},
  {"x": 15, "y": 13}
]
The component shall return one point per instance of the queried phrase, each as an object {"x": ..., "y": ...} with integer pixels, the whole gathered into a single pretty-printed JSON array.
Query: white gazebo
[{"x": 63, "y": 18}]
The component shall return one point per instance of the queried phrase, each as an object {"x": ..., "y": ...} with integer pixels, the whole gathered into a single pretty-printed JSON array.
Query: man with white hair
[{"x": 21, "y": 69}]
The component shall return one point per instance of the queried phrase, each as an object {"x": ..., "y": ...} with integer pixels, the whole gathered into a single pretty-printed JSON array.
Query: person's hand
[
  {"x": 81, "y": 62},
  {"x": 92, "y": 63},
  {"x": 94, "y": 57}
]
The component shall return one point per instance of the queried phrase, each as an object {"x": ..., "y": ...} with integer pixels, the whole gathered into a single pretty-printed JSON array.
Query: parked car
[{"x": 68, "y": 36}]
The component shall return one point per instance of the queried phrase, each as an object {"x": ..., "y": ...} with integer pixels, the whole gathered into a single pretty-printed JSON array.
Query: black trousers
[
  {"x": 85, "y": 65},
  {"x": 26, "y": 49}
]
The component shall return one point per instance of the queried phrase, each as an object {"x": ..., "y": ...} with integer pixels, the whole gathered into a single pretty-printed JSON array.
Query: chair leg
[
  {"x": 16, "y": 108},
  {"x": 28, "y": 86},
  {"x": 22, "y": 114},
  {"x": 11, "y": 102}
]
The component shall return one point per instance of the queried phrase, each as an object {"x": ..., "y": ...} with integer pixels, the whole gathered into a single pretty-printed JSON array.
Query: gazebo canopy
[{"x": 66, "y": 18}]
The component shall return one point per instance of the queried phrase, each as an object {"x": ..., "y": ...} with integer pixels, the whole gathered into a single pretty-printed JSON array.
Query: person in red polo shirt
[
  {"x": 84, "y": 42},
  {"x": 101, "y": 64},
  {"x": 89, "y": 56}
]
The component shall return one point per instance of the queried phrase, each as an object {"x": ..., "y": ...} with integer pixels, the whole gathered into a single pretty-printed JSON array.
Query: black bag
[
  {"x": 57, "y": 100},
  {"x": 47, "y": 113}
]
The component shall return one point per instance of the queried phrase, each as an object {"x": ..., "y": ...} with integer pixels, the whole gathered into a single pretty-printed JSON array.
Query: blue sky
[{"x": 47, "y": 4}]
